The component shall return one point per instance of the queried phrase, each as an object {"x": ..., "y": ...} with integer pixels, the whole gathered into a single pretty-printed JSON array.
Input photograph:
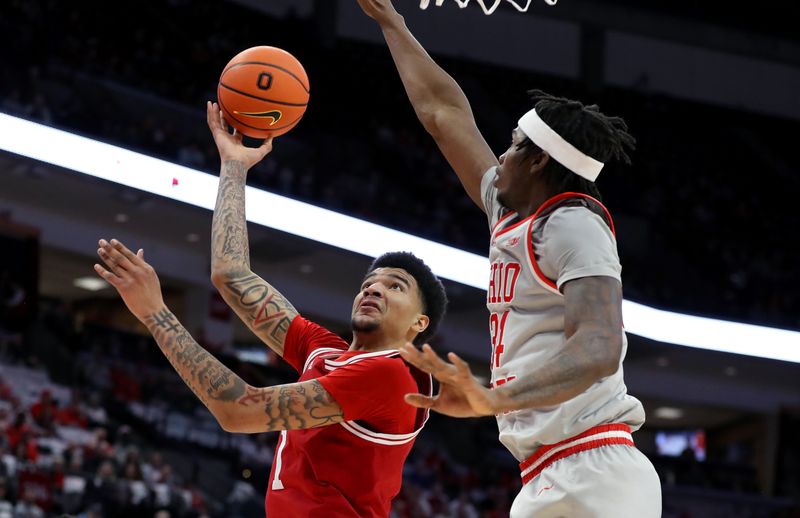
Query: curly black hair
[
  {"x": 598, "y": 135},
  {"x": 434, "y": 297}
]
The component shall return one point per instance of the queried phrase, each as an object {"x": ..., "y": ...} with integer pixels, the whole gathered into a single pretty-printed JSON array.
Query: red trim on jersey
[
  {"x": 537, "y": 271},
  {"x": 529, "y": 235},
  {"x": 502, "y": 218},
  {"x": 596, "y": 437}
]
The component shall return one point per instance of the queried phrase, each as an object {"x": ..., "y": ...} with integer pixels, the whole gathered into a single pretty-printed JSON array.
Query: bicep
[
  {"x": 259, "y": 305},
  {"x": 293, "y": 406},
  {"x": 465, "y": 149},
  {"x": 593, "y": 305}
]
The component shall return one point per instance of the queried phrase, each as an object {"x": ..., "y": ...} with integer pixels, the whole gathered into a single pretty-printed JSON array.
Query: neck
[
  {"x": 532, "y": 202},
  {"x": 371, "y": 342}
]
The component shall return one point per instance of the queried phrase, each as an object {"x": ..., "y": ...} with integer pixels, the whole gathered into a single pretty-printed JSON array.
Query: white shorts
[{"x": 614, "y": 481}]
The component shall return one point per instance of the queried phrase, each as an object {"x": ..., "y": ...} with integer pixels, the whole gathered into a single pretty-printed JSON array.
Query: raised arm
[
  {"x": 259, "y": 305},
  {"x": 237, "y": 406},
  {"x": 438, "y": 101}
]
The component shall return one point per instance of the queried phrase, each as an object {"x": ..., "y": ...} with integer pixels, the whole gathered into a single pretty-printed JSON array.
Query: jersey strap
[
  {"x": 596, "y": 437},
  {"x": 547, "y": 208}
]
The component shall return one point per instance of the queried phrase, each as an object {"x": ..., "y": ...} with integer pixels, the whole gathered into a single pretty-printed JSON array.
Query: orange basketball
[{"x": 263, "y": 92}]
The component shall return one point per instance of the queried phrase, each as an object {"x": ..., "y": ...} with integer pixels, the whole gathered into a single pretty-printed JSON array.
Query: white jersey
[{"x": 530, "y": 260}]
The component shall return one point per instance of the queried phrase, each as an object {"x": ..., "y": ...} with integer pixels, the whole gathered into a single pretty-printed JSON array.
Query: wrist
[
  {"x": 494, "y": 398},
  {"x": 155, "y": 315},
  {"x": 234, "y": 165},
  {"x": 393, "y": 20}
]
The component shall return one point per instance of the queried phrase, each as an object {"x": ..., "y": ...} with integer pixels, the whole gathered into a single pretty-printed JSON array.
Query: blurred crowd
[{"x": 699, "y": 213}]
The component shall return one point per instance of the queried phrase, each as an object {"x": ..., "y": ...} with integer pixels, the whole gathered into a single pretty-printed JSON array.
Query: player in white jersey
[{"x": 554, "y": 296}]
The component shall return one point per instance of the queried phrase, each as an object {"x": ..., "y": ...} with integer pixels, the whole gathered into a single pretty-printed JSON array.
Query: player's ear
[
  {"x": 539, "y": 161},
  {"x": 421, "y": 324}
]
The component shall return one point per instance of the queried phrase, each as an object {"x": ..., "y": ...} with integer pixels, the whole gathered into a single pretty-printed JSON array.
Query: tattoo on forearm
[
  {"x": 289, "y": 407},
  {"x": 229, "y": 243},
  {"x": 595, "y": 305},
  {"x": 262, "y": 307},
  {"x": 209, "y": 379},
  {"x": 166, "y": 320}
]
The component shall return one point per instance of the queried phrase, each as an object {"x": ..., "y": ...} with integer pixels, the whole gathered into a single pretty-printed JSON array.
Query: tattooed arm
[
  {"x": 593, "y": 328},
  {"x": 259, "y": 305},
  {"x": 237, "y": 406}
]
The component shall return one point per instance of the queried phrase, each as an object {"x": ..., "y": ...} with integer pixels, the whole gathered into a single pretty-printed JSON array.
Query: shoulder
[
  {"x": 314, "y": 335},
  {"x": 576, "y": 224}
]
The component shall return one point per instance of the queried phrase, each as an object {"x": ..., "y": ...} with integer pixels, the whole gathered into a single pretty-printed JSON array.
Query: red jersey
[{"x": 353, "y": 468}]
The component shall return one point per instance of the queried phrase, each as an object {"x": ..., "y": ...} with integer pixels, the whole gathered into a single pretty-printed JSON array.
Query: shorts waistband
[{"x": 602, "y": 435}]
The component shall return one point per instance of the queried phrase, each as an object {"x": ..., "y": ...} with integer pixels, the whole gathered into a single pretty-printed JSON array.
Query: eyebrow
[{"x": 396, "y": 276}]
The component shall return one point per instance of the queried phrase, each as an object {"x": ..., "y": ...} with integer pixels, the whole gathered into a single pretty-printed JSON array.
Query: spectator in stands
[
  {"x": 94, "y": 411},
  {"x": 17, "y": 430},
  {"x": 26, "y": 507},
  {"x": 72, "y": 414},
  {"x": 6, "y": 507},
  {"x": 103, "y": 489},
  {"x": 45, "y": 409}
]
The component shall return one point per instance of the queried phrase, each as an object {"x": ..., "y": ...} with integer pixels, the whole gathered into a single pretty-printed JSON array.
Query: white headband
[{"x": 562, "y": 151}]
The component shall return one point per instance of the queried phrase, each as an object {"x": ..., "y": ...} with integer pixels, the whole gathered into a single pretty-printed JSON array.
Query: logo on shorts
[
  {"x": 545, "y": 488},
  {"x": 275, "y": 115}
]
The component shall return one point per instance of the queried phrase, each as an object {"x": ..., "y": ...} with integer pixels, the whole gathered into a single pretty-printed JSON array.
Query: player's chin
[
  {"x": 501, "y": 197},
  {"x": 365, "y": 323}
]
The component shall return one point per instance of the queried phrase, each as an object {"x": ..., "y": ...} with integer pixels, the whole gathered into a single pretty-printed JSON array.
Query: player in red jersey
[{"x": 346, "y": 429}]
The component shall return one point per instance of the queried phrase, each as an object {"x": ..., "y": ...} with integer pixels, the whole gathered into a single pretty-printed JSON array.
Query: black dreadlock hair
[
  {"x": 434, "y": 298},
  {"x": 585, "y": 127}
]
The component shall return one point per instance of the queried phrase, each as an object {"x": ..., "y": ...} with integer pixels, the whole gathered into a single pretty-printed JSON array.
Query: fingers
[
  {"x": 133, "y": 258},
  {"x": 210, "y": 115},
  {"x": 433, "y": 359},
  {"x": 420, "y": 401},
  {"x": 107, "y": 275},
  {"x": 266, "y": 147},
  {"x": 223, "y": 124},
  {"x": 118, "y": 258},
  {"x": 428, "y": 361},
  {"x": 461, "y": 365},
  {"x": 215, "y": 118},
  {"x": 412, "y": 355}
]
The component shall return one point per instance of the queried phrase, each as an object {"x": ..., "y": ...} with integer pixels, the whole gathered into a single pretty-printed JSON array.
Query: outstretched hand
[
  {"x": 229, "y": 144},
  {"x": 460, "y": 394},
  {"x": 135, "y": 280}
]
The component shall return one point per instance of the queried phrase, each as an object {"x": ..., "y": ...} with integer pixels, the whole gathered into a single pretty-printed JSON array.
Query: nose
[
  {"x": 373, "y": 290},
  {"x": 502, "y": 158}
]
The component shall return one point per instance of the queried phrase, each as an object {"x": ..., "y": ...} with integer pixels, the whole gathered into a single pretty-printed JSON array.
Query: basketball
[{"x": 263, "y": 92}]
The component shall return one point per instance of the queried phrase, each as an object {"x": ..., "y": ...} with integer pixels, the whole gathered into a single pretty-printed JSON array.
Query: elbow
[
  {"x": 429, "y": 119},
  {"x": 219, "y": 276},
  {"x": 438, "y": 119},
  {"x": 608, "y": 361},
  {"x": 226, "y": 422}
]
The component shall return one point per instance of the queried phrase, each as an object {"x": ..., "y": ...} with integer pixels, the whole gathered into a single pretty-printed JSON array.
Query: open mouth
[{"x": 369, "y": 304}]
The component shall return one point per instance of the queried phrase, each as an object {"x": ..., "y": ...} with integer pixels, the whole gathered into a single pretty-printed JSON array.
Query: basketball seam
[
  {"x": 268, "y": 65},
  {"x": 222, "y": 105},
  {"x": 223, "y": 85}
]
